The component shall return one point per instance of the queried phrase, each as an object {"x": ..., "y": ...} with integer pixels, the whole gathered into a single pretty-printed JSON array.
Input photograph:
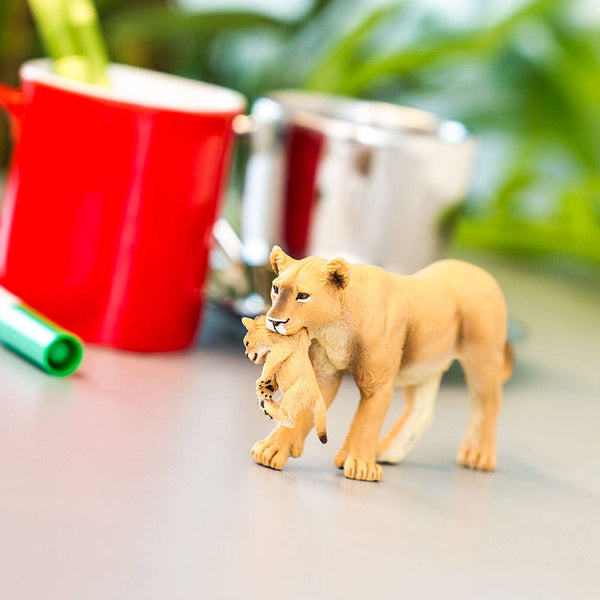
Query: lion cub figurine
[{"x": 287, "y": 367}]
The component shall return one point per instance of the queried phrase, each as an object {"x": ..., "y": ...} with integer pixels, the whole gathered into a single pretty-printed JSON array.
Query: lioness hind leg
[
  {"x": 478, "y": 450},
  {"x": 419, "y": 420}
]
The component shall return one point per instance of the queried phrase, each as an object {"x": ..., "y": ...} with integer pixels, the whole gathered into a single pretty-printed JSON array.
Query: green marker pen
[{"x": 36, "y": 338}]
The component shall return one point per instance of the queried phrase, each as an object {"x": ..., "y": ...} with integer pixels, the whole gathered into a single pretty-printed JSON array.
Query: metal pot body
[{"x": 368, "y": 181}]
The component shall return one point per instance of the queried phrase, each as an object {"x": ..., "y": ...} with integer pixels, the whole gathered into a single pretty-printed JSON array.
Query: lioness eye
[
  {"x": 303, "y": 297},
  {"x": 275, "y": 290}
]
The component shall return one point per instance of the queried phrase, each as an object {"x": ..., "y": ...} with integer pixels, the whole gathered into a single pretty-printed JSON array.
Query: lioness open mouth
[{"x": 277, "y": 325}]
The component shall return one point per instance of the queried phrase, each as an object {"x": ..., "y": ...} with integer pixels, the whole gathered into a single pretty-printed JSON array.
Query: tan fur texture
[
  {"x": 286, "y": 367},
  {"x": 392, "y": 330}
]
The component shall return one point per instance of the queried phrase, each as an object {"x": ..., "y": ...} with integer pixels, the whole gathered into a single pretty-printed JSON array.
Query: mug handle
[{"x": 13, "y": 101}]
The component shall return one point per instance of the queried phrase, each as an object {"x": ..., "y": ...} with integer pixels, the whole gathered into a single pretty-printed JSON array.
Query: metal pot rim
[{"x": 366, "y": 122}]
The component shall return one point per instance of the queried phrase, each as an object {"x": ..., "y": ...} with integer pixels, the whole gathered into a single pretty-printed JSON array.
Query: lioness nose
[{"x": 278, "y": 321}]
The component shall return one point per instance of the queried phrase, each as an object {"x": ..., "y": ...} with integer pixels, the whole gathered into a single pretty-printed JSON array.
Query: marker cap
[{"x": 38, "y": 339}]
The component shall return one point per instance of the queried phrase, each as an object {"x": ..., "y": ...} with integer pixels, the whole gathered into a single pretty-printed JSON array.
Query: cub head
[
  {"x": 305, "y": 293},
  {"x": 257, "y": 341}
]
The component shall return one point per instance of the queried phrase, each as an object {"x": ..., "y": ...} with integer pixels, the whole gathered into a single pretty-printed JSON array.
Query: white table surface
[{"x": 133, "y": 479}]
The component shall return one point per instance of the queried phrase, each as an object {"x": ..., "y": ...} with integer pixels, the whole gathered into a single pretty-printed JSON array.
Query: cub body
[{"x": 287, "y": 366}]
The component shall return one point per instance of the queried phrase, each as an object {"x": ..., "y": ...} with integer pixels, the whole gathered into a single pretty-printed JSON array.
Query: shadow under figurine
[
  {"x": 389, "y": 331},
  {"x": 287, "y": 367}
]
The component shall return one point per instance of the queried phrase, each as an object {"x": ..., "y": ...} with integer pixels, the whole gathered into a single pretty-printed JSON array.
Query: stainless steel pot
[{"x": 365, "y": 180}]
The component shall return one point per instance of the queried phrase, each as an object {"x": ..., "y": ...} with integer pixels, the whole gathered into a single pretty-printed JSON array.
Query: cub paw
[
  {"x": 271, "y": 409},
  {"x": 274, "y": 411},
  {"x": 265, "y": 388},
  {"x": 262, "y": 404},
  {"x": 258, "y": 357},
  {"x": 362, "y": 469}
]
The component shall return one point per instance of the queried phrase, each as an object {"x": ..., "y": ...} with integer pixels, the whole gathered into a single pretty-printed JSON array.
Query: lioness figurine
[
  {"x": 392, "y": 330},
  {"x": 288, "y": 368}
]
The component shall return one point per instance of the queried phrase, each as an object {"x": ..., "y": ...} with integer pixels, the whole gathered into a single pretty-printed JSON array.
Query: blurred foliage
[{"x": 523, "y": 75}]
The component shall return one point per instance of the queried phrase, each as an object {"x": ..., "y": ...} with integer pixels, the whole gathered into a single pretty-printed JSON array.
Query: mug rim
[
  {"x": 188, "y": 100},
  {"x": 367, "y": 122}
]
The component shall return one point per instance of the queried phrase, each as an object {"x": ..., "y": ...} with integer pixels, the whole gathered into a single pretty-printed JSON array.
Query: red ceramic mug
[{"x": 110, "y": 201}]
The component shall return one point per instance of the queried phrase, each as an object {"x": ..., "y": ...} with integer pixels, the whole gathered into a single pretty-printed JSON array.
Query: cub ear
[
  {"x": 280, "y": 261},
  {"x": 337, "y": 273},
  {"x": 248, "y": 323}
]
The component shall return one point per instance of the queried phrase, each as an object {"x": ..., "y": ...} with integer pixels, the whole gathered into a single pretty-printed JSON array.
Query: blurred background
[
  {"x": 524, "y": 76},
  {"x": 133, "y": 478}
]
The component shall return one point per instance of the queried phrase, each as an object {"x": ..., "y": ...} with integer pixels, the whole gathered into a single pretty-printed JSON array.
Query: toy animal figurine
[
  {"x": 289, "y": 369},
  {"x": 392, "y": 330}
]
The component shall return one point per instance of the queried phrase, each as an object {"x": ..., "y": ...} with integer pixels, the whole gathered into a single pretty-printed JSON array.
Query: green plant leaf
[
  {"x": 164, "y": 23},
  {"x": 444, "y": 47},
  {"x": 331, "y": 69}
]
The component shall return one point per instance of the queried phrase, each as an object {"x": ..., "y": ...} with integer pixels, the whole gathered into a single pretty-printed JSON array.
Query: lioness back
[
  {"x": 464, "y": 300},
  {"x": 467, "y": 285}
]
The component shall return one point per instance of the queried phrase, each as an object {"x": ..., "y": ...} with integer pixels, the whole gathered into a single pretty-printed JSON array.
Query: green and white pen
[{"x": 36, "y": 338}]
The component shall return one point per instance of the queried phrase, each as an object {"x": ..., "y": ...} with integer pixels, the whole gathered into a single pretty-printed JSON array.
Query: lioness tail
[{"x": 509, "y": 361}]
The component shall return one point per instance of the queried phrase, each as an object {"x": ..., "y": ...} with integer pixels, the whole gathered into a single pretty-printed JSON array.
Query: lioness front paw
[
  {"x": 477, "y": 457},
  {"x": 274, "y": 451},
  {"x": 270, "y": 455},
  {"x": 362, "y": 469},
  {"x": 265, "y": 388}
]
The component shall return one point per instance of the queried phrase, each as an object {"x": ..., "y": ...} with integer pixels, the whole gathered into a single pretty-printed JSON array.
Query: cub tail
[{"x": 320, "y": 417}]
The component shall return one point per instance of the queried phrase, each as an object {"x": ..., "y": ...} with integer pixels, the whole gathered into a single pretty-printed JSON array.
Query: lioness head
[
  {"x": 305, "y": 293},
  {"x": 257, "y": 340}
]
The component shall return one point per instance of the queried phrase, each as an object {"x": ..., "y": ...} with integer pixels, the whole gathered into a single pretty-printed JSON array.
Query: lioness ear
[
  {"x": 337, "y": 273},
  {"x": 247, "y": 322},
  {"x": 280, "y": 261}
]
